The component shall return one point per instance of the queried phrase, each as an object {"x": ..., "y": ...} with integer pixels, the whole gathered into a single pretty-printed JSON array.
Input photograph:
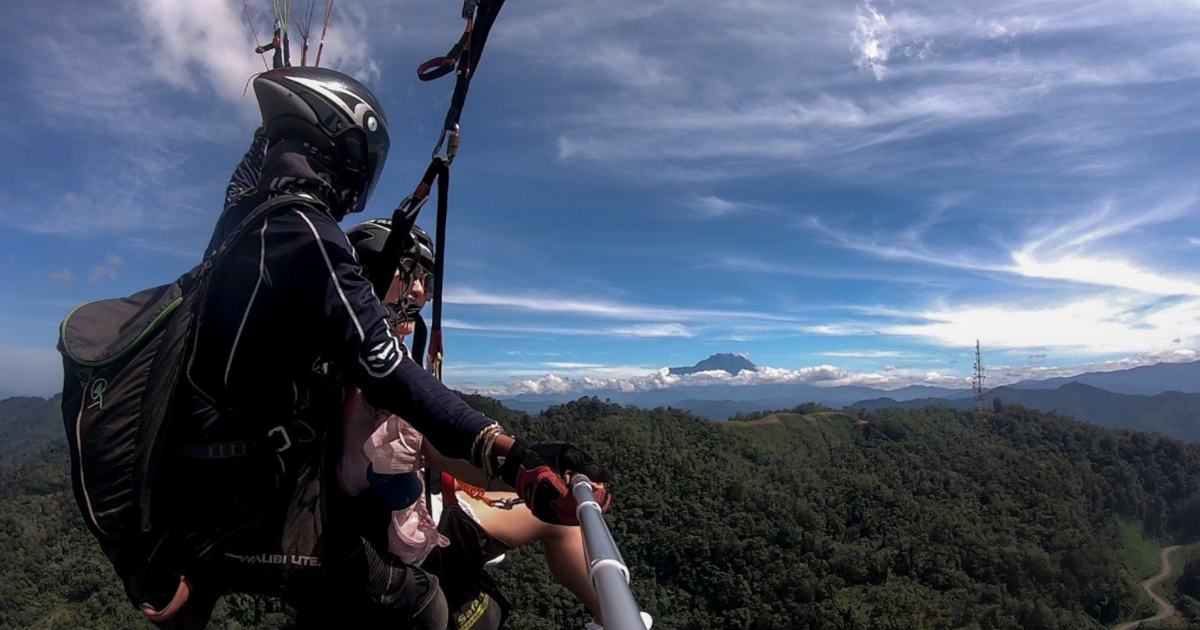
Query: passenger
[{"x": 384, "y": 452}]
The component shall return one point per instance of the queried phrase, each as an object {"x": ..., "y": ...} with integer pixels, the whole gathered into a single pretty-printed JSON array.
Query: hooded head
[{"x": 335, "y": 117}]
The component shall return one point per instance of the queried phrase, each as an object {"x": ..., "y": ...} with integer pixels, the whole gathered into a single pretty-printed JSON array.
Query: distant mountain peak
[{"x": 729, "y": 363}]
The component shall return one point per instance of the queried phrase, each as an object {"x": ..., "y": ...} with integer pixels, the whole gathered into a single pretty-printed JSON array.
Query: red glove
[{"x": 536, "y": 472}]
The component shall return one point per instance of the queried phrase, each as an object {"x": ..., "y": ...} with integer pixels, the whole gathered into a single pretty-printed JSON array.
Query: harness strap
[
  {"x": 436, "y": 349},
  {"x": 439, "y": 67},
  {"x": 449, "y": 498},
  {"x": 222, "y": 450}
]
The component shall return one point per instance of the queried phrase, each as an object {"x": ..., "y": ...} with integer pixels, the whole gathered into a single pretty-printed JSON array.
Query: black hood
[
  {"x": 284, "y": 168},
  {"x": 289, "y": 168}
]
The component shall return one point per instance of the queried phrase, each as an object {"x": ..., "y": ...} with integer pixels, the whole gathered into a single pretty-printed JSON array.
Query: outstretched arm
[
  {"x": 462, "y": 470},
  {"x": 358, "y": 335}
]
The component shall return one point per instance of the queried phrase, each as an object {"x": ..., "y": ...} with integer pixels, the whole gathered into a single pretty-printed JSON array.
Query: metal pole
[{"x": 606, "y": 567}]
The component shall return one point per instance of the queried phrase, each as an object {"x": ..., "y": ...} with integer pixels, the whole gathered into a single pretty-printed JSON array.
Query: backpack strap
[
  {"x": 276, "y": 439},
  {"x": 255, "y": 214}
]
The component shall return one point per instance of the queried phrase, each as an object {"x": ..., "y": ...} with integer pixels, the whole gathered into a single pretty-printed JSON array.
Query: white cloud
[
  {"x": 1102, "y": 272},
  {"x": 1088, "y": 248},
  {"x": 740, "y": 101},
  {"x": 213, "y": 40},
  {"x": 873, "y": 40},
  {"x": 1072, "y": 251},
  {"x": 544, "y": 303},
  {"x": 582, "y": 379},
  {"x": 818, "y": 375},
  {"x": 636, "y": 330},
  {"x": 626, "y": 65},
  {"x": 1096, "y": 326},
  {"x": 866, "y": 354},
  {"x": 888, "y": 247},
  {"x": 654, "y": 330},
  {"x": 1007, "y": 374},
  {"x": 712, "y": 206},
  {"x": 210, "y": 40}
]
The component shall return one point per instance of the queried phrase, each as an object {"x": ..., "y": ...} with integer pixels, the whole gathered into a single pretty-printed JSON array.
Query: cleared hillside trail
[{"x": 1165, "y": 608}]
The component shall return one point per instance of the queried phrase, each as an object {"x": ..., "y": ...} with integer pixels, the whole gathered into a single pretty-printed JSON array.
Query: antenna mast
[{"x": 977, "y": 380}]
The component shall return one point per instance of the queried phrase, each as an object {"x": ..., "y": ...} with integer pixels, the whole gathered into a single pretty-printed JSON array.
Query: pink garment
[
  {"x": 394, "y": 447},
  {"x": 358, "y": 423},
  {"x": 391, "y": 446}
]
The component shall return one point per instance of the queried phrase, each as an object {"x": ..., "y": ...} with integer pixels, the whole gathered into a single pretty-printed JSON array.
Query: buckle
[{"x": 282, "y": 434}]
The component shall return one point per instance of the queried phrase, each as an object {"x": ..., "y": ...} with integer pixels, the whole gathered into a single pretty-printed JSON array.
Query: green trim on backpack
[{"x": 150, "y": 328}]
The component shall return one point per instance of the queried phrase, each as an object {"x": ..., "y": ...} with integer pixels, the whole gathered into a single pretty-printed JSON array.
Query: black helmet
[
  {"x": 335, "y": 114},
  {"x": 368, "y": 239}
]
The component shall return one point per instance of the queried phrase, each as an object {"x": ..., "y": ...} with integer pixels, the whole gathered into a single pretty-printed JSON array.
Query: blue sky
[{"x": 846, "y": 192}]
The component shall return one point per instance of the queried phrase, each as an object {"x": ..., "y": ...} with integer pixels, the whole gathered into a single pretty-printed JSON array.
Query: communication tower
[{"x": 977, "y": 380}]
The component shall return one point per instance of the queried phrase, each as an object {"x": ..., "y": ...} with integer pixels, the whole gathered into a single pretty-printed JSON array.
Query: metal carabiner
[
  {"x": 507, "y": 503},
  {"x": 451, "y": 148},
  {"x": 469, "y": 8}
]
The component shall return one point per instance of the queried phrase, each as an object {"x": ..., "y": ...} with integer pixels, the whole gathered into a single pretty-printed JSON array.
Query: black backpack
[{"x": 122, "y": 360}]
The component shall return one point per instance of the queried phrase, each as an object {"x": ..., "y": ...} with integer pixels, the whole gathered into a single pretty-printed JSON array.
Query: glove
[{"x": 536, "y": 472}]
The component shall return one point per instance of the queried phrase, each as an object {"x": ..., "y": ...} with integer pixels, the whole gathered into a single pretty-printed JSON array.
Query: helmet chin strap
[{"x": 408, "y": 309}]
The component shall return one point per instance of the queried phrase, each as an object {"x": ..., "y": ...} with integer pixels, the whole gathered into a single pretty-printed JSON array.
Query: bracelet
[
  {"x": 487, "y": 458},
  {"x": 478, "y": 447}
]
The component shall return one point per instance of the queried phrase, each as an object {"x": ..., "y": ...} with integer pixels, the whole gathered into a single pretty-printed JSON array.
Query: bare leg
[{"x": 562, "y": 545}]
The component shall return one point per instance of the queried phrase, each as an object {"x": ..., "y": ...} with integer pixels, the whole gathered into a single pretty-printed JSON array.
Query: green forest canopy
[{"x": 899, "y": 519}]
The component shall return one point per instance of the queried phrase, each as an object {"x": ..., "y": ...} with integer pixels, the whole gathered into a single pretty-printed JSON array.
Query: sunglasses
[
  {"x": 401, "y": 309},
  {"x": 410, "y": 272}
]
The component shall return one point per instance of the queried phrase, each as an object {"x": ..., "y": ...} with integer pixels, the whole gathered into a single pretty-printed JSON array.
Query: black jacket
[{"x": 289, "y": 298}]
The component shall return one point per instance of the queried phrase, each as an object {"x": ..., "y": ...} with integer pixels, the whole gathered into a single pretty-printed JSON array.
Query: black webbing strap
[
  {"x": 403, "y": 219},
  {"x": 420, "y": 335},
  {"x": 464, "y": 59},
  {"x": 223, "y": 450},
  {"x": 434, "y": 361}
]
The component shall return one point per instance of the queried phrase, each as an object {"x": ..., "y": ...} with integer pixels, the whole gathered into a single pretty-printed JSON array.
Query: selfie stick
[{"x": 606, "y": 568}]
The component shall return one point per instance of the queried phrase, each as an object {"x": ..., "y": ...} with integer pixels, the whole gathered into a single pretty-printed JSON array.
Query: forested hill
[
  {"x": 903, "y": 519},
  {"x": 926, "y": 519},
  {"x": 1173, "y": 414},
  {"x": 28, "y": 423}
]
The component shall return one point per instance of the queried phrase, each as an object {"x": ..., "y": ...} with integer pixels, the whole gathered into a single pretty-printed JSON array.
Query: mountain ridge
[
  {"x": 731, "y": 364},
  {"x": 1173, "y": 414},
  {"x": 1144, "y": 380}
]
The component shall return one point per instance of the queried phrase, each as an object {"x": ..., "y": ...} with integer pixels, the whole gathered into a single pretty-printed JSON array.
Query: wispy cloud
[
  {"x": 712, "y": 206},
  {"x": 867, "y": 354},
  {"x": 1008, "y": 374},
  {"x": 655, "y": 330},
  {"x": 648, "y": 331},
  {"x": 116, "y": 78},
  {"x": 1075, "y": 250},
  {"x": 1102, "y": 272},
  {"x": 543, "y": 303},
  {"x": 1093, "y": 326},
  {"x": 65, "y": 276},
  {"x": 108, "y": 270},
  {"x": 763, "y": 266},
  {"x": 1083, "y": 248},
  {"x": 888, "y": 247},
  {"x": 959, "y": 68}
]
